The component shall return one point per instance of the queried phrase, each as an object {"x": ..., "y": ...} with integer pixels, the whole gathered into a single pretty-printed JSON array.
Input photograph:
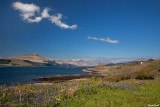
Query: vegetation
[
  {"x": 93, "y": 92},
  {"x": 138, "y": 88},
  {"x": 150, "y": 60},
  {"x": 21, "y": 63},
  {"x": 146, "y": 70}
]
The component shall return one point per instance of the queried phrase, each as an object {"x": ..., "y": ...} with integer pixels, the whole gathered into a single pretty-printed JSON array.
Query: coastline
[
  {"x": 63, "y": 78},
  {"x": 24, "y": 75}
]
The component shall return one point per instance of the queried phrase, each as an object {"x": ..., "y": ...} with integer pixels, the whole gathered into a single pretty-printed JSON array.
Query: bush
[
  {"x": 148, "y": 72},
  {"x": 142, "y": 75},
  {"x": 119, "y": 77},
  {"x": 150, "y": 60}
]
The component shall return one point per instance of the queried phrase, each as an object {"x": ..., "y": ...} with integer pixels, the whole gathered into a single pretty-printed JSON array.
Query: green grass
[{"x": 85, "y": 93}]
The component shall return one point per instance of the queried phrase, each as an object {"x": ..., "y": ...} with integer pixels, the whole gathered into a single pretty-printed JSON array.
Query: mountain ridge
[
  {"x": 38, "y": 60},
  {"x": 32, "y": 59}
]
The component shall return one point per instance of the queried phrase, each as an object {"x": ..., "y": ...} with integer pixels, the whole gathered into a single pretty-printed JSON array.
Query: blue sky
[{"x": 70, "y": 29}]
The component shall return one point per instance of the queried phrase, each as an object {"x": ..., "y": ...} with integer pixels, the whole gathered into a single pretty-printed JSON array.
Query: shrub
[
  {"x": 150, "y": 60},
  {"x": 119, "y": 77},
  {"x": 153, "y": 74},
  {"x": 95, "y": 78},
  {"x": 148, "y": 72},
  {"x": 142, "y": 75}
]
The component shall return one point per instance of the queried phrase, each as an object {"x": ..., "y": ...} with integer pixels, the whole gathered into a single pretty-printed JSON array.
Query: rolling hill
[{"x": 32, "y": 59}]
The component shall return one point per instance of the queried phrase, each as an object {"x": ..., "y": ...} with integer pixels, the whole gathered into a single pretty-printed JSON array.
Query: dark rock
[
  {"x": 63, "y": 77},
  {"x": 5, "y": 61}
]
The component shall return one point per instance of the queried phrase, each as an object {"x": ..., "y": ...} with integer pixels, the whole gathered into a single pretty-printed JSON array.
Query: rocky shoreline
[{"x": 61, "y": 78}]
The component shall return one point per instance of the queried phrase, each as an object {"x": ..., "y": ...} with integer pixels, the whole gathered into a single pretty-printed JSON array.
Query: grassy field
[
  {"x": 84, "y": 93},
  {"x": 93, "y": 92}
]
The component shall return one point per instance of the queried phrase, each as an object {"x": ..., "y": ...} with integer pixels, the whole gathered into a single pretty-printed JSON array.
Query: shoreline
[{"x": 62, "y": 78}]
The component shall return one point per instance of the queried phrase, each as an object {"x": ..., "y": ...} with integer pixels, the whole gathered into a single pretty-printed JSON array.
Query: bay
[{"x": 14, "y": 75}]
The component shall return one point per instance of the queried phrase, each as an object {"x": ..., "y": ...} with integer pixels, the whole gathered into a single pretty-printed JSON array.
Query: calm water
[{"x": 10, "y": 75}]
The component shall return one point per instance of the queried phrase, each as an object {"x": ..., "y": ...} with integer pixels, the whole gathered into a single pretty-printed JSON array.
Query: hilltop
[{"x": 32, "y": 59}]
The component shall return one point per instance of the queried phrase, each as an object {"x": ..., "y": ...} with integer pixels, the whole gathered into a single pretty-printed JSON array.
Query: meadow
[{"x": 90, "y": 92}]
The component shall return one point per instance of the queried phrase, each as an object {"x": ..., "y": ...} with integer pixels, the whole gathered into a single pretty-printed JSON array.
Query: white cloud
[
  {"x": 57, "y": 21},
  {"x": 24, "y": 8},
  {"x": 28, "y": 13},
  {"x": 45, "y": 13},
  {"x": 37, "y": 19},
  {"x": 105, "y": 40},
  {"x": 92, "y": 38},
  {"x": 111, "y": 41}
]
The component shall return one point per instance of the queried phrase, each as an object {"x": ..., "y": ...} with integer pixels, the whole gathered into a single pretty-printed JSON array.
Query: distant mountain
[
  {"x": 86, "y": 63},
  {"x": 32, "y": 59}
]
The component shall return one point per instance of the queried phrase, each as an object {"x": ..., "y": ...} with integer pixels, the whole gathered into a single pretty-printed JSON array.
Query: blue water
[{"x": 14, "y": 75}]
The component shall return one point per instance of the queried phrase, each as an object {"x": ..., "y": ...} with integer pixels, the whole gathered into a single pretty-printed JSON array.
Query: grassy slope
[
  {"x": 17, "y": 63},
  {"x": 147, "y": 70},
  {"x": 23, "y": 63},
  {"x": 92, "y": 93}
]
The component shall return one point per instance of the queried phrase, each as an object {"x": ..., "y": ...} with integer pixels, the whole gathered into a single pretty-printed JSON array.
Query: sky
[{"x": 72, "y": 29}]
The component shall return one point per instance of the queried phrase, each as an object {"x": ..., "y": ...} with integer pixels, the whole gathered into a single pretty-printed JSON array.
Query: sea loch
[{"x": 13, "y": 75}]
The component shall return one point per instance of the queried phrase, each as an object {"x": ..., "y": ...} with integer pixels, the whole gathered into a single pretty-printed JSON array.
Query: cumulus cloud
[
  {"x": 45, "y": 13},
  {"x": 57, "y": 21},
  {"x": 105, "y": 40},
  {"x": 28, "y": 13}
]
